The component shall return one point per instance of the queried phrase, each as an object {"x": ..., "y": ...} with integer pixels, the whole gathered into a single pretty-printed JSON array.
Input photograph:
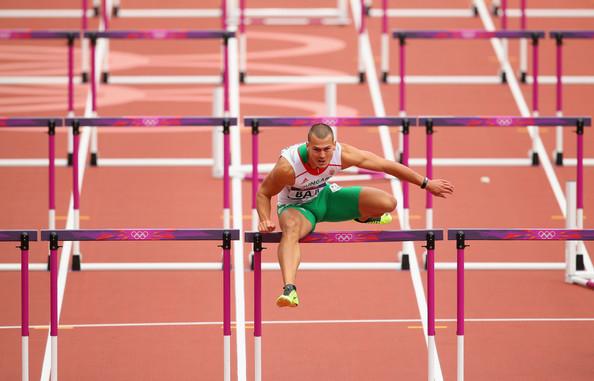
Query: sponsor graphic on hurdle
[
  {"x": 140, "y": 234},
  {"x": 343, "y": 237}
]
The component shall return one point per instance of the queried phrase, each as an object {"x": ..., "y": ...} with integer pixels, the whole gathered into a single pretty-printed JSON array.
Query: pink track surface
[{"x": 297, "y": 344}]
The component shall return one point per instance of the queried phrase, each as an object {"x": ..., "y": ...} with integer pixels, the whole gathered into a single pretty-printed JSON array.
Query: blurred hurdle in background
[
  {"x": 24, "y": 237},
  {"x": 559, "y": 36},
  {"x": 154, "y": 121},
  {"x": 461, "y": 236},
  {"x": 56, "y": 236},
  {"x": 159, "y": 35},
  {"x": 427, "y": 236},
  {"x": 500, "y": 122}
]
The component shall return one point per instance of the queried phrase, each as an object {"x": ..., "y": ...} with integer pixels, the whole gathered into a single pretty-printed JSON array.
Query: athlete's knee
[
  {"x": 291, "y": 227},
  {"x": 389, "y": 203}
]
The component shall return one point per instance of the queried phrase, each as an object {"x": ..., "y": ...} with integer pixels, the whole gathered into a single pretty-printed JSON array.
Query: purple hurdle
[
  {"x": 428, "y": 236},
  {"x": 225, "y": 236},
  {"x": 146, "y": 121},
  {"x": 24, "y": 237},
  {"x": 502, "y": 122},
  {"x": 462, "y": 235},
  {"x": 559, "y": 36}
]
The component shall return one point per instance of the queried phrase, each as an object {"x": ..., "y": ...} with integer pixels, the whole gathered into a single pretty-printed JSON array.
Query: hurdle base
[
  {"x": 495, "y": 10},
  {"x": 94, "y": 159},
  {"x": 105, "y": 77},
  {"x": 579, "y": 263},
  {"x": 95, "y": 11},
  {"x": 475, "y": 11},
  {"x": 523, "y": 77},
  {"x": 535, "y": 159},
  {"x": 367, "y": 10},
  {"x": 241, "y": 77},
  {"x": 115, "y": 12},
  {"x": 559, "y": 158},
  {"x": 362, "y": 77},
  {"x": 503, "y": 77},
  {"x": 251, "y": 259},
  {"x": 385, "y": 77},
  {"x": 84, "y": 77},
  {"x": 69, "y": 159},
  {"x": 76, "y": 262},
  {"x": 404, "y": 261}
]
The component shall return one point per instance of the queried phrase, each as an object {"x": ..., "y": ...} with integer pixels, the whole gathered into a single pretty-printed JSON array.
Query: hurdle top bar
[
  {"x": 522, "y": 234},
  {"x": 468, "y": 34},
  {"x": 152, "y": 121},
  {"x": 160, "y": 34},
  {"x": 27, "y": 34},
  {"x": 15, "y": 235},
  {"x": 30, "y": 122},
  {"x": 353, "y": 236},
  {"x": 140, "y": 234},
  {"x": 504, "y": 121},
  {"x": 332, "y": 121},
  {"x": 585, "y": 34}
]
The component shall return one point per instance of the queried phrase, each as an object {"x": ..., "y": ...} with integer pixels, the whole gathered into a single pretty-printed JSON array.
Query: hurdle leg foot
[
  {"x": 96, "y": 11},
  {"x": 475, "y": 11},
  {"x": 385, "y": 77},
  {"x": 503, "y": 77},
  {"x": 579, "y": 263},
  {"x": 76, "y": 261},
  {"x": 241, "y": 77},
  {"x": 105, "y": 77},
  {"x": 361, "y": 77},
  {"x": 558, "y": 158},
  {"x": 494, "y": 10},
  {"x": 84, "y": 77},
  {"x": 251, "y": 258},
  {"x": 404, "y": 261},
  {"x": 94, "y": 158},
  {"x": 115, "y": 11},
  {"x": 523, "y": 77},
  {"x": 535, "y": 159},
  {"x": 400, "y": 157},
  {"x": 69, "y": 159}
]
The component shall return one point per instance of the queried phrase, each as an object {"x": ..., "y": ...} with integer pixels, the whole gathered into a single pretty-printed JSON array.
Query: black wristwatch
[{"x": 424, "y": 183}]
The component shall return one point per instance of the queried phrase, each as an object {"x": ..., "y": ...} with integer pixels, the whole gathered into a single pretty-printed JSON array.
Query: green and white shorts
[{"x": 333, "y": 204}]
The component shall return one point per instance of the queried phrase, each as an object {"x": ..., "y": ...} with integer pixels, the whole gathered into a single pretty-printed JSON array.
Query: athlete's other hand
[
  {"x": 266, "y": 226},
  {"x": 440, "y": 188}
]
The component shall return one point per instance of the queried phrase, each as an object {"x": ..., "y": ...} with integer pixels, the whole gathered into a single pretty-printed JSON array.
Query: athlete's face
[{"x": 320, "y": 151}]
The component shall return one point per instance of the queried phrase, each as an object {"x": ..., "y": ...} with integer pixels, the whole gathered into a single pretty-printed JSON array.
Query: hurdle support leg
[
  {"x": 76, "y": 256},
  {"x": 24, "y": 247},
  {"x": 460, "y": 246},
  {"x": 258, "y": 307},
  {"x": 431, "y": 348},
  {"x": 227, "y": 305},
  {"x": 54, "y": 306},
  {"x": 559, "y": 99}
]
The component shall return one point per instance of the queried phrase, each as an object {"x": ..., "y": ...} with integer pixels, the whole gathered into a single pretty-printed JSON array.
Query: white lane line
[
  {"x": 311, "y": 322},
  {"x": 388, "y": 151}
]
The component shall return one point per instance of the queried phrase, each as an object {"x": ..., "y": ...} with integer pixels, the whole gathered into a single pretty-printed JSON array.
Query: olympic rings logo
[
  {"x": 139, "y": 234},
  {"x": 503, "y": 122},
  {"x": 151, "y": 122},
  {"x": 545, "y": 234},
  {"x": 344, "y": 237}
]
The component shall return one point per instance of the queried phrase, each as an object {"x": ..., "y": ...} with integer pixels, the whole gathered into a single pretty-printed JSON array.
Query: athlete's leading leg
[{"x": 374, "y": 203}]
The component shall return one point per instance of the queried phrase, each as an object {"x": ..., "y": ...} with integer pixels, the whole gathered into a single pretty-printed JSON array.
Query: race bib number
[{"x": 335, "y": 187}]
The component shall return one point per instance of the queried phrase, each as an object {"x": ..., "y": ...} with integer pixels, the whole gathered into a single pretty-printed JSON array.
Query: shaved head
[{"x": 320, "y": 131}]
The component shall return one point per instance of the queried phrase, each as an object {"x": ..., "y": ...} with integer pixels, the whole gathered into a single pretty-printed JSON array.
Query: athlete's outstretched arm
[
  {"x": 352, "y": 156},
  {"x": 281, "y": 176}
]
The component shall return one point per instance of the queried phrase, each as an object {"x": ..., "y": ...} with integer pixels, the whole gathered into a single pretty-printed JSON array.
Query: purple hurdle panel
[
  {"x": 428, "y": 236},
  {"x": 51, "y": 124},
  {"x": 461, "y": 235},
  {"x": 559, "y": 36},
  {"x": 505, "y": 121},
  {"x": 141, "y": 234},
  {"x": 69, "y": 35},
  {"x": 468, "y": 34},
  {"x": 256, "y": 122},
  {"x": 24, "y": 237},
  {"x": 145, "y": 121}
]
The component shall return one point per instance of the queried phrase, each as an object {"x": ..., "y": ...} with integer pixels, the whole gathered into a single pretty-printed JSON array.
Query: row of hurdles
[{"x": 461, "y": 236}]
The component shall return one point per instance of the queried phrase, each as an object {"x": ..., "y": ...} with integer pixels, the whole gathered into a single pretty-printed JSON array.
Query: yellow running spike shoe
[
  {"x": 288, "y": 298},
  {"x": 386, "y": 218}
]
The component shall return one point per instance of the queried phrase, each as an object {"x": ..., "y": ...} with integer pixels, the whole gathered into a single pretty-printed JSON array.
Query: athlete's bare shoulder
[{"x": 282, "y": 173}]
